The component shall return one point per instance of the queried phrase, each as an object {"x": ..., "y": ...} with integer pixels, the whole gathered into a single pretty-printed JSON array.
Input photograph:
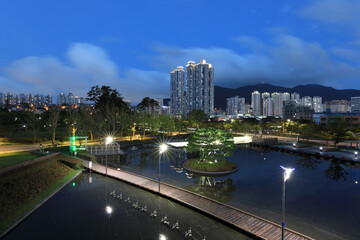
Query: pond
[
  {"x": 322, "y": 197},
  {"x": 84, "y": 209}
]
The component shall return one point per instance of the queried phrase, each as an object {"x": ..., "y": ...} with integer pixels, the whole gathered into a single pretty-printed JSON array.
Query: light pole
[
  {"x": 287, "y": 173},
  {"x": 162, "y": 148},
  {"x": 108, "y": 140}
]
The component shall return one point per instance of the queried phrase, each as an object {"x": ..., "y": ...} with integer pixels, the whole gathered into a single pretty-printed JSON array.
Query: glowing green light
[{"x": 73, "y": 184}]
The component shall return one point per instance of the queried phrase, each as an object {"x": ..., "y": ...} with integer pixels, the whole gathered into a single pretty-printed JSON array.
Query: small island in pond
[{"x": 207, "y": 149}]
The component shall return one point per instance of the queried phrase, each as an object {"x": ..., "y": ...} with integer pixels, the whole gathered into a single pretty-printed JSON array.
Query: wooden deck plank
[{"x": 255, "y": 225}]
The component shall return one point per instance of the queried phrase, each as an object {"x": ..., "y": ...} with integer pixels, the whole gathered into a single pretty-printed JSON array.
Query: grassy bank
[
  {"x": 9, "y": 159},
  {"x": 22, "y": 189},
  {"x": 220, "y": 166}
]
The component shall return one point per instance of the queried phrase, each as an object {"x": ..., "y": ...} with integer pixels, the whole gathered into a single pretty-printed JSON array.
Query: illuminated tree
[{"x": 213, "y": 144}]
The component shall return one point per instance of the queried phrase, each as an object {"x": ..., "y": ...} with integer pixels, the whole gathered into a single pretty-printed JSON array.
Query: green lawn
[
  {"x": 9, "y": 159},
  {"x": 22, "y": 189}
]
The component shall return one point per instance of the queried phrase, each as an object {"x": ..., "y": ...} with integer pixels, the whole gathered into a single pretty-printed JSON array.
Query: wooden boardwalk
[{"x": 248, "y": 223}]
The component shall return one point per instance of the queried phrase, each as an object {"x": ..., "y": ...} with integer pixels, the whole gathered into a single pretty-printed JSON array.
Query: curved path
[{"x": 250, "y": 224}]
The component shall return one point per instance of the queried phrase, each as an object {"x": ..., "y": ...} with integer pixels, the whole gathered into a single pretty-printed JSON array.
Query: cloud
[
  {"x": 345, "y": 53},
  {"x": 86, "y": 65},
  {"x": 288, "y": 61},
  {"x": 333, "y": 11}
]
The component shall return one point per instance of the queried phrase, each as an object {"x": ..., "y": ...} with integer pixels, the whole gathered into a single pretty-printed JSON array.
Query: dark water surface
[
  {"x": 322, "y": 197},
  {"x": 79, "y": 212}
]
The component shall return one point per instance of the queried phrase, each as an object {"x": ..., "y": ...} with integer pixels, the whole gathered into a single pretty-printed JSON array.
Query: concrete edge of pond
[
  {"x": 211, "y": 174},
  {"x": 36, "y": 207}
]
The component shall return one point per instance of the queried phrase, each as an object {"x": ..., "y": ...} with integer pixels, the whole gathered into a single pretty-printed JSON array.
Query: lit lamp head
[
  {"x": 294, "y": 144},
  {"x": 287, "y": 172},
  {"x": 163, "y": 148},
  {"x": 108, "y": 210},
  {"x": 109, "y": 140},
  {"x": 321, "y": 148},
  {"x": 356, "y": 153},
  {"x": 162, "y": 237}
]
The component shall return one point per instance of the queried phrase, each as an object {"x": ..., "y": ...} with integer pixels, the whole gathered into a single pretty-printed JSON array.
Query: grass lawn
[
  {"x": 24, "y": 188},
  {"x": 9, "y": 159}
]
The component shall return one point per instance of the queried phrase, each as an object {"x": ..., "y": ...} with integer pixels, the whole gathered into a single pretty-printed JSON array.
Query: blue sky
[{"x": 69, "y": 46}]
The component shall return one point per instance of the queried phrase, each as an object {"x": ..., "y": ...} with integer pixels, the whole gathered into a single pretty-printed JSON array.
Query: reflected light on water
[{"x": 108, "y": 209}]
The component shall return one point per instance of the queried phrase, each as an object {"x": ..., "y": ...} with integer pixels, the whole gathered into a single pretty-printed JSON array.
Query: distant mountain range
[{"x": 327, "y": 93}]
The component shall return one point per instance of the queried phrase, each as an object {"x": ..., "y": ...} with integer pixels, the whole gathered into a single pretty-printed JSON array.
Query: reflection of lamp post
[
  {"x": 162, "y": 148},
  {"x": 287, "y": 173},
  {"x": 108, "y": 140}
]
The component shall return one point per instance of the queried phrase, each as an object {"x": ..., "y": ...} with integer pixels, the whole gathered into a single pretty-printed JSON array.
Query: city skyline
[{"x": 283, "y": 43}]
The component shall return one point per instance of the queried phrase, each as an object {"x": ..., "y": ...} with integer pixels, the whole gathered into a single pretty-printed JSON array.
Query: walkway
[{"x": 246, "y": 222}]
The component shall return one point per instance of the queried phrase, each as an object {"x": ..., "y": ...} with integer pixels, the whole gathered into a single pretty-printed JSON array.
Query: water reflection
[
  {"x": 209, "y": 187},
  {"x": 336, "y": 171},
  {"x": 308, "y": 162}
]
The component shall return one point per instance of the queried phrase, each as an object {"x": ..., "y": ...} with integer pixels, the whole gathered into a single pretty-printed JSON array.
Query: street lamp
[
  {"x": 356, "y": 154},
  {"x": 321, "y": 148},
  {"x": 162, "y": 148},
  {"x": 287, "y": 173},
  {"x": 108, "y": 140}
]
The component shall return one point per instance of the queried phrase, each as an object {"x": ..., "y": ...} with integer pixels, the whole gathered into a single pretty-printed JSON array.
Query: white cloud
[
  {"x": 345, "y": 53},
  {"x": 289, "y": 61},
  {"x": 337, "y": 16},
  {"x": 87, "y": 65},
  {"x": 333, "y": 11}
]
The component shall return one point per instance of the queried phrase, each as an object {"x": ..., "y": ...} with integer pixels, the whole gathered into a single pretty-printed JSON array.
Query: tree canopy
[
  {"x": 105, "y": 96},
  {"x": 197, "y": 116},
  {"x": 213, "y": 144}
]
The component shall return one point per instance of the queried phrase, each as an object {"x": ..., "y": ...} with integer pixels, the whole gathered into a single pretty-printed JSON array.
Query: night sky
[{"x": 69, "y": 46}]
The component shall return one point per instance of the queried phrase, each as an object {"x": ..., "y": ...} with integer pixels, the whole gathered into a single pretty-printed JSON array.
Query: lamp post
[
  {"x": 108, "y": 140},
  {"x": 162, "y": 148},
  {"x": 287, "y": 173}
]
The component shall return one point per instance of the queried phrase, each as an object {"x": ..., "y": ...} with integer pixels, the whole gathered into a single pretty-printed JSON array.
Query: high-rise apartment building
[
  {"x": 190, "y": 86},
  {"x": 278, "y": 103},
  {"x": 256, "y": 103},
  {"x": 264, "y": 96},
  {"x": 296, "y": 98},
  {"x": 48, "y": 100},
  {"x": 307, "y": 102},
  {"x": 286, "y": 96},
  {"x": 317, "y": 104},
  {"x": 61, "y": 99},
  {"x": 235, "y": 105},
  {"x": 177, "y": 98},
  {"x": 268, "y": 107},
  {"x": 355, "y": 105},
  {"x": 199, "y": 90}
]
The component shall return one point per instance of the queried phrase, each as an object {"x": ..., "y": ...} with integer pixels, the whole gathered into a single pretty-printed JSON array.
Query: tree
[
  {"x": 213, "y": 144},
  {"x": 34, "y": 122},
  {"x": 54, "y": 114},
  {"x": 88, "y": 121},
  {"x": 337, "y": 131},
  {"x": 307, "y": 130},
  {"x": 125, "y": 121},
  {"x": 72, "y": 122},
  {"x": 197, "y": 116},
  {"x": 148, "y": 105},
  {"x": 105, "y": 96}
]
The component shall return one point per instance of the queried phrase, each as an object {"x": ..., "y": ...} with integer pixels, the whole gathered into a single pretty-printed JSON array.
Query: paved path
[
  {"x": 315, "y": 151},
  {"x": 18, "y": 148},
  {"x": 245, "y": 222}
]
